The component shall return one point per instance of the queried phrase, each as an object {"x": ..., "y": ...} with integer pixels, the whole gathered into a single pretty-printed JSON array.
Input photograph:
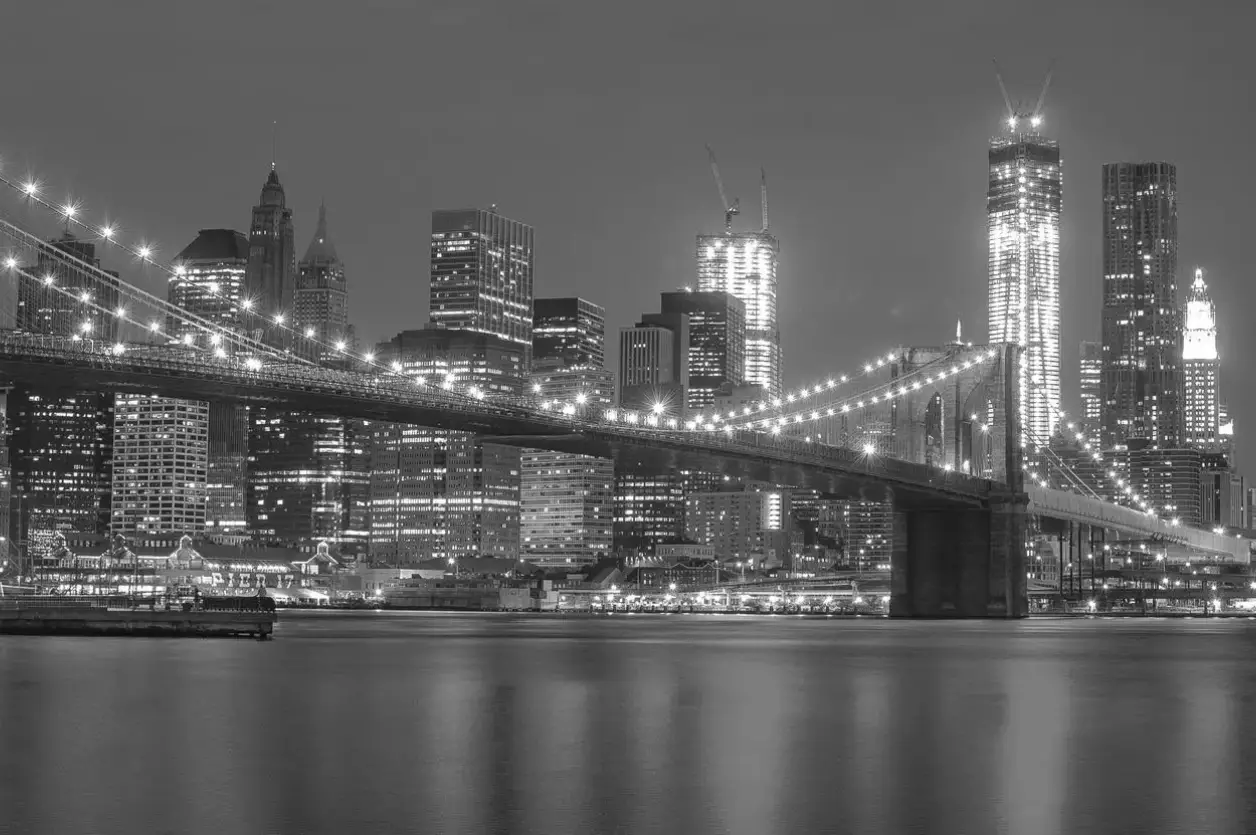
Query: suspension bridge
[{"x": 934, "y": 430}]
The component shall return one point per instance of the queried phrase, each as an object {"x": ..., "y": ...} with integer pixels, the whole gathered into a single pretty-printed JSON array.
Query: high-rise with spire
[
  {"x": 321, "y": 307},
  {"x": 1201, "y": 365},
  {"x": 270, "y": 278},
  {"x": 1023, "y": 206}
]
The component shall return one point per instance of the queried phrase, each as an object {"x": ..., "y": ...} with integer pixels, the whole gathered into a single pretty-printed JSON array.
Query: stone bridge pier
[{"x": 968, "y": 561}]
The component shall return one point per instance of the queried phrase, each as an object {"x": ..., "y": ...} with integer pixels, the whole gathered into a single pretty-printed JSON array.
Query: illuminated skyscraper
[
  {"x": 160, "y": 447},
  {"x": 1091, "y": 389},
  {"x": 1142, "y": 372},
  {"x": 568, "y": 333},
  {"x": 85, "y": 311},
  {"x": 1023, "y": 222},
  {"x": 654, "y": 365},
  {"x": 1201, "y": 366},
  {"x": 744, "y": 265},
  {"x": 717, "y": 343},
  {"x": 482, "y": 274},
  {"x": 208, "y": 281},
  {"x": 321, "y": 300},
  {"x": 270, "y": 277}
]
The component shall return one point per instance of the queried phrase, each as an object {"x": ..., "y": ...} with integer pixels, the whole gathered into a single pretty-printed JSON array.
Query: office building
[
  {"x": 61, "y": 455},
  {"x": 481, "y": 275},
  {"x": 1090, "y": 383},
  {"x": 742, "y": 524},
  {"x": 270, "y": 276},
  {"x": 226, "y": 471},
  {"x": 744, "y": 265},
  {"x": 1023, "y": 222},
  {"x": 208, "y": 282},
  {"x": 864, "y": 531},
  {"x": 649, "y": 510},
  {"x": 1223, "y": 494},
  {"x": 568, "y": 333},
  {"x": 438, "y": 492},
  {"x": 1168, "y": 479},
  {"x": 654, "y": 365},
  {"x": 1201, "y": 369},
  {"x": 321, "y": 305},
  {"x": 1142, "y": 373},
  {"x": 160, "y": 461},
  {"x": 717, "y": 343},
  {"x": 73, "y": 297}
]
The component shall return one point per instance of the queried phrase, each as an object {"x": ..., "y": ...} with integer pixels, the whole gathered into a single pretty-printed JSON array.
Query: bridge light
[
  {"x": 929, "y": 380},
  {"x": 789, "y": 398},
  {"x": 341, "y": 345},
  {"x": 49, "y": 279},
  {"x": 845, "y": 408},
  {"x": 85, "y": 297},
  {"x": 831, "y": 383},
  {"x": 69, "y": 210},
  {"x": 368, "y": 357},
  {"x": 219, "y": 352},
  {"x": 254, "y": 363},
  {"x": 118, "y": 349},
  {"x": 247, "y": 304},
  {"x": 278, "y": 318},
  {"x": 11, "y": 262},
  {"x": 880, "y": 362},
  {"x": 145, "y": 251},
  {"x": 154, "y": 326},
  {"x": 120, "y": 312},
  {"x": 658, "y": 408},
  {"x": 86, "y": 327},
  {"x": 582, "y": 398},
  {"x": 31, "y": 188},
  {"x": 107, "y": 232},
  {"x": 867, "y": 369},
  {"x": 776, "y": 402},
  {"x": 776, "y": 430},
  {"x": 869, "y": 449}
]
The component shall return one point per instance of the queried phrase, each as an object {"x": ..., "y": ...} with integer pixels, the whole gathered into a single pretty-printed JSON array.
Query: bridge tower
[{"x": 967, "y": 562}]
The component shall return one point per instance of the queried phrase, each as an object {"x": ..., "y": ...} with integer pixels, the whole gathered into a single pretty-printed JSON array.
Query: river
[{"x": 448, "y": 723}]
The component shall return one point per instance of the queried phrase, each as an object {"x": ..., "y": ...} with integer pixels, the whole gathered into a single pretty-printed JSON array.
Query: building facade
[
  {"x": 160, "y": 465},
  {"x": 749, "y": 524},
  {"x": 437, "y": 493},
  {"x": 1023, "y": 208},
  {"x": 717, "y": 343},
  {"x": 226, "y": 478},
  {"x": 744, "y": 265},
  {"x": 1201, "y": 370},
  {"x": 1170, "y": 480},
  {"x": 481, "y": 274},
  {"x": 1142, "y": 371},
  {"x": 270, "y": 276},
  {"x": 1090, "y": 381},
  {"x": 73, "y": 297},
  {"x": 321, "y": 297},
  {"x": 568, "y": 333},
  {"x": 654, "y": 365},
  {"x": 208, "y": 282}
]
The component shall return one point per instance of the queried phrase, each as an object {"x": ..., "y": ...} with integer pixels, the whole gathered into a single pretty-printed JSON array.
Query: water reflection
[{"x": 445, "y": 723}]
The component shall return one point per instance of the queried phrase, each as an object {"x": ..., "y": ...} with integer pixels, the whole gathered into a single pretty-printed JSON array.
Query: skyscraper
[
  {"x": 1090, "y": 383},
  {"x": 437, "y": 492},
  {"x": 270, "y": 277},
  {"x": 1142, "y": 373},
  {"x": 568, "y": 333},
  {"x": 717, "y": 343},
  {"x": 654, "y": 364},
  {"x": 70, "y": 299},
  {"x": 208, "y": 281},
  {"x": 482, "y": 274},
  {"x": 1201, "y": 366},
  {"x": 160, "y": 447},
  {"x": 226, "y": 479},
  {"x": 61, "y": 453},
  {"x": 322, "y": 299},
  {"x": 744, "y": 265},
  {"x": 1023, "y": 222}
]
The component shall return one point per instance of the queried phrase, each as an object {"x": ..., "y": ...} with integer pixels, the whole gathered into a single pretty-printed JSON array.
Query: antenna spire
[
  {"x": 274, "y": 144},
  {"x": 763, "y": 196}
]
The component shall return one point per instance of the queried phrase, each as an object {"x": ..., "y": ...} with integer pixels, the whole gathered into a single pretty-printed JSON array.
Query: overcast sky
[{"x": 588, "y": 120}]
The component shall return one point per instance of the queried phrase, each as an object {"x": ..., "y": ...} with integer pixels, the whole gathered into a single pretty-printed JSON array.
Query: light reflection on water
[{"x": 399, "y": 722}]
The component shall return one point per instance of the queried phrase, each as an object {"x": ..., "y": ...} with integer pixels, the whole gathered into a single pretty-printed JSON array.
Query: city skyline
[{"x": 865, "y": 272}]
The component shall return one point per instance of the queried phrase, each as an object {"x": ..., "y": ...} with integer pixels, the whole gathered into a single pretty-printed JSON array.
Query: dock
[{"x": 228, "y": 617}]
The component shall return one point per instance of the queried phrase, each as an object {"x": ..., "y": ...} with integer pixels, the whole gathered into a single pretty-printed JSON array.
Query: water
[{"x": 440, "y": 723}]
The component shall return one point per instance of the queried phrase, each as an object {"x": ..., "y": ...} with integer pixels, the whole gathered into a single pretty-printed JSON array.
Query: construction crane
[
  {"x": 763, "y": 196},
  {"x": 730, "y": 209}
]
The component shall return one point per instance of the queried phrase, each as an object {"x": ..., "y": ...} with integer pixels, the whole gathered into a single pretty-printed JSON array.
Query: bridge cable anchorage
[
  {"x": 803, "y": 392},
  {"x": 100, "y": 277},
  {"x": 934, "y": 371}
]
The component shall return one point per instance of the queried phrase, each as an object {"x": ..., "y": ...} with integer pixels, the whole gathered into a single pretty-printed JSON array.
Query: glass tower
[
  {"x": 1091, "y": 374},
  {"x": 1141, "y": 319},
  {"x": 744, "y": 265},
  {"x": 1023, "y": 222}
]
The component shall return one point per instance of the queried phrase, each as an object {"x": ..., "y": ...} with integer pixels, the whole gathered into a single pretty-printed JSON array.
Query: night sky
[{"x": 588, "y": 120}]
